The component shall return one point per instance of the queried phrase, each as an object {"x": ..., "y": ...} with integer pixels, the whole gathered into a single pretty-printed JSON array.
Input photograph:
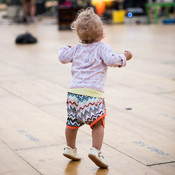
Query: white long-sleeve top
[{"x": 90, "y": 63}]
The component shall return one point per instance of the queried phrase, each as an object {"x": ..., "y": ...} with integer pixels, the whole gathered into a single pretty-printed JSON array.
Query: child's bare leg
[
  {"x": 97, "y": 135},
  {"x": 71, "y": 135},
  {"x": 97, "y": 139}
]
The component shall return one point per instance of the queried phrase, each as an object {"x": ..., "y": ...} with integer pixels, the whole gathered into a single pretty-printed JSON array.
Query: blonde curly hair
[{"x": 88, "y": 26}]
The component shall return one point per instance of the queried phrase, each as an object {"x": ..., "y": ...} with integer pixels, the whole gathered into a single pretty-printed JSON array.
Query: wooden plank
[
  {"x": 170, "y": 95},
  {"x": 159, "y": 69},
  {"x": 13, "y": 164},
  {"x": 49, "y": 160},
  {"x": 3, "y": 93},
  {"x": 38, "y": 92},
  {"x": 58, "y": 112},
  {"x": 145, "y": 105},
  {"x": 165, "y": 169},
  {"x": 150, "y": 122},
  {"x": 24, "y": 126},
  {"x": 6, "y": 70},
  {"x": 146, "y": 82}
]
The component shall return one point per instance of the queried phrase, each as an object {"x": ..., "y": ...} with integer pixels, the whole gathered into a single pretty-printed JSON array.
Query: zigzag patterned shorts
[{"x": 82, "y": 109}]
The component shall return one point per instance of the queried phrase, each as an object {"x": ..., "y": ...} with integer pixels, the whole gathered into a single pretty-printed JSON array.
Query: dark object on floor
[
  {"x": 128, "y": 109},
  {"x": 26, "y": 38}
]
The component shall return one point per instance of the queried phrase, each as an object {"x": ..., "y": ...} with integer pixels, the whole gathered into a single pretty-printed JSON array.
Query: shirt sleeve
[
  {"x": 65, "y": 54},
  {"x": 110, "y": 58}
]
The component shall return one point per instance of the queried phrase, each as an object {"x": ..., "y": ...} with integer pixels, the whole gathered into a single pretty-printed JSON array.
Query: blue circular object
[{"x": 129, "y": 14}]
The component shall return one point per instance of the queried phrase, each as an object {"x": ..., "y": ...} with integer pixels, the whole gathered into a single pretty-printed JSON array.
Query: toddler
[{"x": 85, "y": 102}]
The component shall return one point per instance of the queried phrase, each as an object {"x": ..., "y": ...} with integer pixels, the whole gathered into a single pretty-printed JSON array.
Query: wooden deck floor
[{"x": 140, "y": 123}]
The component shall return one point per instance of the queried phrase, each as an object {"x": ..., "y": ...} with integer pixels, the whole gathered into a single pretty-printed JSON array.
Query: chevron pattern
[{"x": 83, "y": 109}]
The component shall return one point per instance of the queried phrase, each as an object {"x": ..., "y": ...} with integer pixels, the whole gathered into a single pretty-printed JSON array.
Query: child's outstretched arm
[
  {"x": 112, "y": 59},
  {"x": 65, "y": 54}
]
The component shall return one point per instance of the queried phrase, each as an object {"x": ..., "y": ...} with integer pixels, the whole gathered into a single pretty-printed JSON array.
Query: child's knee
[{"x": 97, "y": 124}]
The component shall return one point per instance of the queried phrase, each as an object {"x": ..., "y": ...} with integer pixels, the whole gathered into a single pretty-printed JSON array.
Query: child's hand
[{"x": 128, "y": 55}]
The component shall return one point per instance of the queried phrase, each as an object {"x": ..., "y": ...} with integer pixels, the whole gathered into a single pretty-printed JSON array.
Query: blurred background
[
  {"x": 140, "y": 122},
  {"x": 111, "y": 11}
]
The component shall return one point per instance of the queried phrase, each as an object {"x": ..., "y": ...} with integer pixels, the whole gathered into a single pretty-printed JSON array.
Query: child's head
[{"x": 88, "y": 26}]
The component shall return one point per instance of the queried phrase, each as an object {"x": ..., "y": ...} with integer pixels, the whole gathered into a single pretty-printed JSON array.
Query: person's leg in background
[
  {"x": 25, "y": 9},
  {"x": 32, "y": 9},
  {"x": 29, "y": 10}
]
